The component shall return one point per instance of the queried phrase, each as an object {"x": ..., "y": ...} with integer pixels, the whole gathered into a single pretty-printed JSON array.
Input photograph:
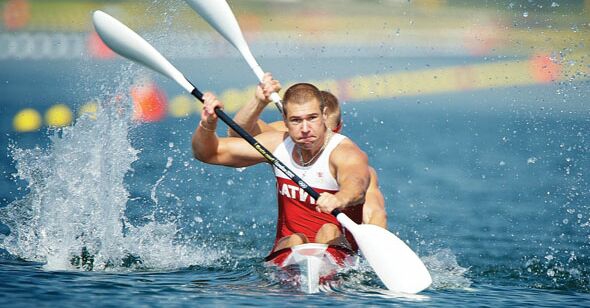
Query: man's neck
[{"x": 307, "y": 157}]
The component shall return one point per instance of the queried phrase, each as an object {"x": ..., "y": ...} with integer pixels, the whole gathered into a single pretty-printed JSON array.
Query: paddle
[
  {"x": 220, "y": 16},
  {"x": 394, "y": 262}
]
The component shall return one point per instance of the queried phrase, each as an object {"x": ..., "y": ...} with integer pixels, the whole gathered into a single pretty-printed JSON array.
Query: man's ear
[{"x": 338, "y": 128}]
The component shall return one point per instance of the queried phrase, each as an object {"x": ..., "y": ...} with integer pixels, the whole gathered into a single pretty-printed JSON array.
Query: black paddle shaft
[{"x": 262, "y": 150}]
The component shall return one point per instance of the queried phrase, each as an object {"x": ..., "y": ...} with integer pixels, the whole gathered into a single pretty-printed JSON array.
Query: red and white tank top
[{"x": 296, "y": 212}]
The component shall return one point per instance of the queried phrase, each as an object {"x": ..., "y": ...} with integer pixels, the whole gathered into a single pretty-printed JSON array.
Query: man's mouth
[{"x": 307, "y": 140}]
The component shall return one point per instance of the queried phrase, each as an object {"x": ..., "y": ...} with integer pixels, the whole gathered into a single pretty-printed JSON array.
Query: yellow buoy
[
  {"x": 182, "y": 106},
  {"x": 27, "y": 120},
  {"x": 90, "y": 109},
  {"x": 58, "y": 116}
]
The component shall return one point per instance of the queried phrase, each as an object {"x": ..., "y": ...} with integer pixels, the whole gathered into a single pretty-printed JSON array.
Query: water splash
[
  {"x": 560, "y": 270},
  {"x": 73, "y": 216},
  {"x": 443, "y": 267},
  {"x": 445, "y": 271}
]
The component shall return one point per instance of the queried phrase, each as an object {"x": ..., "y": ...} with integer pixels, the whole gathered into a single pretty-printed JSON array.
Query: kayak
[{"x": 307, "y": 266}]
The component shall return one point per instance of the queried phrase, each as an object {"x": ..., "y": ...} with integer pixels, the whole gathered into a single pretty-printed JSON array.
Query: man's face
[{"x": 306, "y": 124}]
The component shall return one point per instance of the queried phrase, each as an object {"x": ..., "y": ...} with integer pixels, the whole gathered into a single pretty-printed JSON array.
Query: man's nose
[{"x": 305, "y": 126}]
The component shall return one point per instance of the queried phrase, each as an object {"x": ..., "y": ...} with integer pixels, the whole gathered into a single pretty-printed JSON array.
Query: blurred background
[
  {"x": 475, "y": 115},
  {"x": 483, "y": 44}
]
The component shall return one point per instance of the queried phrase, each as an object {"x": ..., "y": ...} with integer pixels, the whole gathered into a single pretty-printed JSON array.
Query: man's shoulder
[
  {"x": 345, "y": 142},
  {"x": 345, "y": 148}
]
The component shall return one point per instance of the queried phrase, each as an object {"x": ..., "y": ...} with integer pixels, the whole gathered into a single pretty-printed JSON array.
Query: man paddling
[
  {"x": 248, "y": 117},
  {"x": 329, "y": 162}
]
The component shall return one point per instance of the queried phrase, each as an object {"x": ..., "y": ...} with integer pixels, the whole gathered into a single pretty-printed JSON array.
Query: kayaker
[
  {"x": 248, "y": 117},
  {"x": 329, "y": 162}
]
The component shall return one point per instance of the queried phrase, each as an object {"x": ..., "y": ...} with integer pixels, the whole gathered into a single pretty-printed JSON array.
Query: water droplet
[
  {"x": 525, "y": 14},
  {"x": 549, "y": 257}
]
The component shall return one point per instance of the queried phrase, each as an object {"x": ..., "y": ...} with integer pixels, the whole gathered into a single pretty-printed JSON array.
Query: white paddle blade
[
  {"x": 398, "y": 267},
  {"x": 130, "y": 45},
  {"x": 220, "y": 16}
]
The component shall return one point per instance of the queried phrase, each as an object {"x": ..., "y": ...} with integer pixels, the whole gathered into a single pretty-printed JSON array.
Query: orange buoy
[
  {"x": 544, "y": 69},
  {"x": 97, "y": 48},
  {"x": 17, "y": 14},
  {"x": 149, "y": 102}
]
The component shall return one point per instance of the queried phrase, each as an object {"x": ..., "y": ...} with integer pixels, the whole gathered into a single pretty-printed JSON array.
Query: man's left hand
[
  {"x": 266, "y": 88},
  {"x": 327, "y": 202}
]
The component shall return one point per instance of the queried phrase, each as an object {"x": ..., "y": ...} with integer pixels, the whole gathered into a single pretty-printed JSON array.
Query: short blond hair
[
  {"x": 333, "y": 109},
  {"x": 302, "y": 93}
]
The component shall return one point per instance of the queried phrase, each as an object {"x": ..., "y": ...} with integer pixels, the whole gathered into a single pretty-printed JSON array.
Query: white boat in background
[{"x": 307, "y": 266}]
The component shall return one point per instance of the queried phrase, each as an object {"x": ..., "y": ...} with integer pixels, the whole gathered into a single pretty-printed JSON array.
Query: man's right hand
[
  {"x": 208, "y": 115},
  {"x": 266, "y": 88}
]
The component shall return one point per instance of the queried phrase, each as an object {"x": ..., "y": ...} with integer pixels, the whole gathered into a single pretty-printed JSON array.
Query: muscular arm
[
  {"x": 350, "y": 166},
  {"x": 248, "y": 117},
  {"x": 374, "y": 208},
  {"x": 278, "y": 125},
  {"x": 236, "y": 152},
  {"x": 352, "y": 174},
  {"x": 230, "y": 151}
]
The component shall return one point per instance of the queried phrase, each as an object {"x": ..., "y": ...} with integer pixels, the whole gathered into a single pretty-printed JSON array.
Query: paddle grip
[
  {"x": 198, "y": 94},
  {"x": 335, "y": 212},
  {"x": 277, "y": 100}
]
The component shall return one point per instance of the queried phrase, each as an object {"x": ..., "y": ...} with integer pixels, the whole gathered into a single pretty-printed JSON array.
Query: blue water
[{"x": 489, "y": 187}]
